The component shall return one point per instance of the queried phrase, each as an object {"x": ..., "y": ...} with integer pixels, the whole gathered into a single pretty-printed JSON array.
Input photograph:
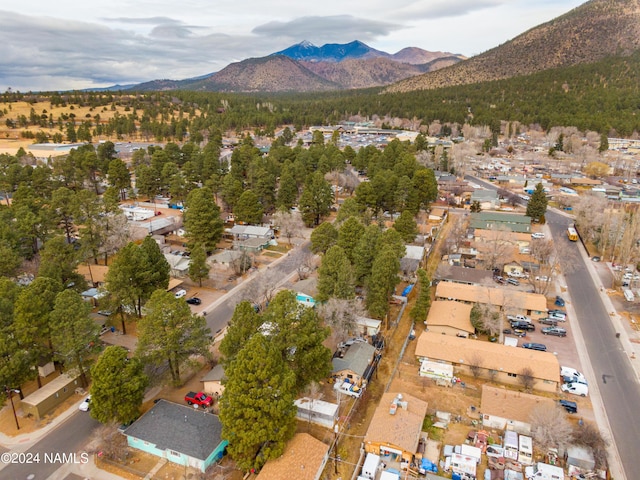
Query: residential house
[
  {"x": 468, "y": 276},
  {"x": 212, "y": 381},
  {"x": 492, "y": 360},
  {"x": 353, "y": 363},
  {"x": 178, "y": 264},
  {"x": 495, "y": 220},
  {"x": 504, "y": 409},
  {"x": 304, "y": 458},
  {"x": 317, "y": 411},
  {"x": 488, "y": 199},
  {"x": 180, "y": 434},
  {"x": 49, "y": 396},
  {"x": 396, "y": 427},
  {"x": 450, "y": 318},
  {"x": 510, "y": 301},
  {"x": 224, "y": 259},
  {"x": 411, "y": 261},
  {"x": 585, "y": 182},
  {"x": 244, "y": 232}
]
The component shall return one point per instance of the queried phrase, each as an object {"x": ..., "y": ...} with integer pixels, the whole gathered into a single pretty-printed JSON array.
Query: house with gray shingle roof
[
  {"x": 351, "y": 366},
  {"x": 181, "y": 434}
]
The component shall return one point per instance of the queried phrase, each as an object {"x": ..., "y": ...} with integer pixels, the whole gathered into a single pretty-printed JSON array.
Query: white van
[{"x": 576, "y": 388}]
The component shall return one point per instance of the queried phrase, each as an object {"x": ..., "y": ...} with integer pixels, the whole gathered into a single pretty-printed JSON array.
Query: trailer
[{"x": 370, "y": 467}]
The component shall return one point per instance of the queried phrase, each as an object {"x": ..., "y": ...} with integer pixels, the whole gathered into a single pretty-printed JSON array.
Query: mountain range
[
  {"x": 305, "y": 67},
  {"x": 590, "y": 32}
]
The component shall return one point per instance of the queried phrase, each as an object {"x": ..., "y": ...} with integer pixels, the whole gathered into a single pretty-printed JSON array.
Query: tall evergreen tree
[
  {"x": 257, "y": 412},
  {"x": 73, "y": 333},
  {"x": 383, "y": 281},
  {"x": 349, "y": 235},
  {"x": 171, "y": 333},
  {"x": 406, "y": 226},
  {"x": 537, "y": 205},
  {"x": 335, "y": 276},
  {"x": 248, "y": 209},
  {"x": 118, "y": 386},
  {"x": 316, "y": 199},
  {"x": 244, "y": 323},
  {"x": 198, "y": 267},
  {"x": 420, "y": 309},
  {"x": 202, "y": 220},
  {"x": 323, "y": 237}
]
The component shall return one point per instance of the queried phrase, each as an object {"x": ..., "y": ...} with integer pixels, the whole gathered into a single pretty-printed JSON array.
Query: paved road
[
  {"x": 615, "y": 377},
  {"x": 219, "y": 316},
  {"x": 68, "y": 438}
]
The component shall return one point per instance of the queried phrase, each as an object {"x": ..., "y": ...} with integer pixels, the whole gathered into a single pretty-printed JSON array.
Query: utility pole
[{"x": 336, "y": 429}]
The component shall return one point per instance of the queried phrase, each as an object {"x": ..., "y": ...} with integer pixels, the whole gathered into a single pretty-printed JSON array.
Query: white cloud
[{"x": 67, "y": 45}]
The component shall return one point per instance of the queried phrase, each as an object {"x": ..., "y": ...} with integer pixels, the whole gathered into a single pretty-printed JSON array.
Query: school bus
[{"x": 572, "y": 234}]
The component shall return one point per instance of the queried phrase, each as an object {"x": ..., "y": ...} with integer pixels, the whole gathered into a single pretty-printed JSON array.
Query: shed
[
  {"x": 581, "y": 457},
  {"x": 45, "y": 399},
  {"x": 317, "y": 411},
  {"x": 212, "y": 381}
]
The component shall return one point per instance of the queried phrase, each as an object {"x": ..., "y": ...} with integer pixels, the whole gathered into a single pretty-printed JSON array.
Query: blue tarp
[{"x": 407, "y": 290}]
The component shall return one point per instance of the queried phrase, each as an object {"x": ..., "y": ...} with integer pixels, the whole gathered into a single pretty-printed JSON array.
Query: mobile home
[
  {"x": 525, "y": 451},
  {"x": 510, "y": 444}
]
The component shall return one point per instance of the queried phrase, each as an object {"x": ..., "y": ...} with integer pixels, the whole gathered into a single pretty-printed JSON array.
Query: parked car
[
  {"x": 85, "y": 405},
  {"x": 530, "y": 327},
  {"x": 181, "y": 293},
  {"x": 595, "y": 259},
  {"x": 199, "y": 398},
  {"x": 548, "y": 321},
  {"x": 573, "y": 379},
  {"x": 537, "y": 235},
  {"x": 558, "y": 311},
  {"x": 543, "y": 279},
  {"x": 535, "y": 346},
  {"x": 513, "y": 281},
  {"x": 572, "y": 372},
  {"x": 557, "y": 331},
  {"x": 559, "y": 301},
  {"x": 105, "y": 313},
  {"x": 575, "y": 388},
  {"x": 499, "y": 279},
  {"x": 561, "y": 317},
  {"x": 569, "y": 406},
  {"x": 194, "y": 301}
]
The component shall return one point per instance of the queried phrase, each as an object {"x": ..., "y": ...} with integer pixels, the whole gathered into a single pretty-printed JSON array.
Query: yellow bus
[{"x": 572, "y": 234}]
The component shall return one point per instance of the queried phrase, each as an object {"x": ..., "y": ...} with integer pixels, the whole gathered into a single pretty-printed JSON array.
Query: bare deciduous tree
[
  {"x": 496, "y": 246},
  {"x": 307, "y": 264},
  {"x": 341, "y": 316},
  {"x": 111, "y": 442},
  {"x": 526, "y": 378},
  {"x": 587, "y": 434},
  {"x": 290, "y": 224},
  {"x": 550, "y": 427},
  {"x": 475, "y": 365},
  {"x": 263, "y": 288}
]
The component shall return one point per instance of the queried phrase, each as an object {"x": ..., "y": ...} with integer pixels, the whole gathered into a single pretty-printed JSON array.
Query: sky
[{"x": 71, "y": 44}]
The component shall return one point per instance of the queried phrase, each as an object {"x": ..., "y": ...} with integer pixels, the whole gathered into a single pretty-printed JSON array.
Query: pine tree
[
  {"x": 537, "y": 205},
  {"x": 118, "y": 386},
  {"x": 202, "y": 220},
  {"x": 335, "y": 276},
  {"x": 256, "y": 411},
  {"x": 198, "y": 267},
  {"x": 423, "y": 302}
]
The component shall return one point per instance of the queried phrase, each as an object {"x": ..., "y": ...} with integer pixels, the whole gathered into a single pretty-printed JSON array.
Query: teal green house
[{"x": 182, "y": 434}]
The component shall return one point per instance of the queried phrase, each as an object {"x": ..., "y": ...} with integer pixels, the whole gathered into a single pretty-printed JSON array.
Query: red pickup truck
[{"x": 200, "y": 398}]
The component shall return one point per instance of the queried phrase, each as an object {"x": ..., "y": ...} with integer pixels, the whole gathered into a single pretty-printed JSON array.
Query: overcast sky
[{"x": 70, "y": 44}]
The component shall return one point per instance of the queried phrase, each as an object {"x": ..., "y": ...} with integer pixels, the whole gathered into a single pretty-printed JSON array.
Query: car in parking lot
[
  {"x": 499, "y": 279},
  {"x": 513, "y": 281},
  {"x": 572, "y": 372},
  {"x": 574, "y": 379},
  {"x": 181, "y": 293},
  {"x": 528, "y": 326},
  {"x": 194, "y": 301},
  {"x": 575, "y": 388},
  {"x": 561, "y": 317},
  {"x": 557, "y": 331},
  {"x": 535, "y": 346},
  {"x": 559, "y": 301},
  {"x": 548, "y": 321},
  {"x": 537, "y": 235},
  {"x": 85, "y": 405},
  {"x": 569, "y": 406}
]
